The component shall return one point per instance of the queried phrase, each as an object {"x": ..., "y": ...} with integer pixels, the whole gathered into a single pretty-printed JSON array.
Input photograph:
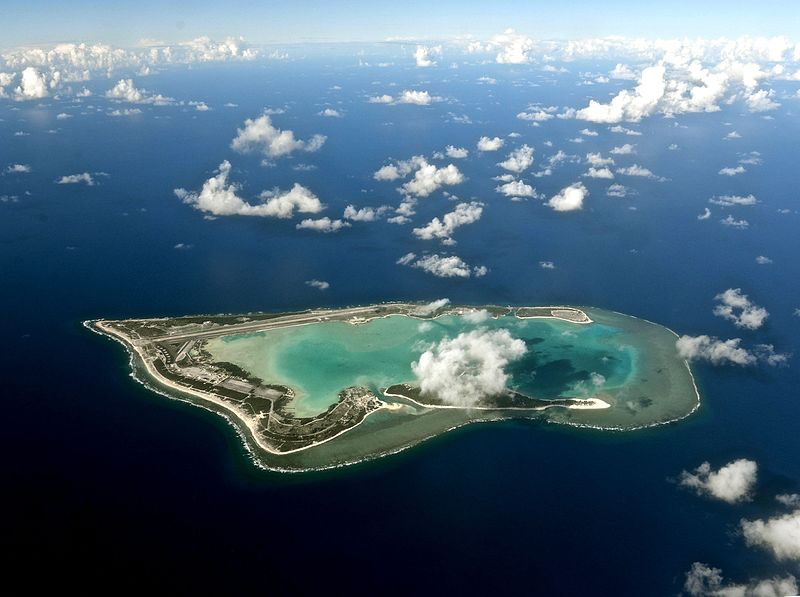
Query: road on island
[{"x": 253, "y": 326}]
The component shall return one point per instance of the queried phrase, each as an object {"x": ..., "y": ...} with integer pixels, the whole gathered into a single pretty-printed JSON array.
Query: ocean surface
[{"x": 102, "y": 476}]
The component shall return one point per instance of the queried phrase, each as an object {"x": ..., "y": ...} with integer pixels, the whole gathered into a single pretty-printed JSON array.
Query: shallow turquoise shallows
[{"x": 319, "y": 360}]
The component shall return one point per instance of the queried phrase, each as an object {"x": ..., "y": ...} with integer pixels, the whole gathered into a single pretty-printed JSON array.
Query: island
[{"x": 323, "y": 388}]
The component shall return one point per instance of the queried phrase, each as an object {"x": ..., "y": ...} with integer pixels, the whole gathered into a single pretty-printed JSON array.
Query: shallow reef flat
[{"x": 326, "y": 388}]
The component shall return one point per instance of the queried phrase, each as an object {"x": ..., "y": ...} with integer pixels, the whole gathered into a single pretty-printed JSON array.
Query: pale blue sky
[{"x": 125, "y": 22}]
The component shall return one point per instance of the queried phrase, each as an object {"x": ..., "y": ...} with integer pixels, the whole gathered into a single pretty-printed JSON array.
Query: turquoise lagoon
[{"x": 630, "y": 363}]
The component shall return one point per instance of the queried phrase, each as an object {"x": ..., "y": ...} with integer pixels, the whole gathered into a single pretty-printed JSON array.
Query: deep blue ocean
[{"x": 102, "y": 476}]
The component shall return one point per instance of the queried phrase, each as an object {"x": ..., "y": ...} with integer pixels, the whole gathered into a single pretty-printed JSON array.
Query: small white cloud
[
  {"x": 518, "y": 160},
  {"x": 424, "y": 55},
  {"x": 729, "y": 171},
  {"x": 547, "y": 265},
  {"x": 516, "y": 188},
  {"x": 330, "y": 113},
  {"x": 490, "y": 144},
  {"x": 599, "y": 173},
  {"x": 319, "y": 284},
  {"x": 720, "y": 352},
  {"x": 83, "y": 177},
  {"x": 619, "y": 191},
  {"x": 456, "y": 153},
  {"x": 730, "y": 200},
  {"x": 732, "y": 483},
  {"x": 259, "y": 135},
  {"x": 763, "y": 260},
  {"x": 463, "y": 214},
  {"x": 626, "y": 149},
  {"x": 126, "y": 91},
  {"x": 569, "y": 198},
  {"x": 441, "y": 266},
  {"x": 431, "y": 308},
  {"x": 738, "y": 308},
  {"x": 731, "y": 222},
  {"x": 18, "y": 169},
  {"x": 779, "y": 535},
  {"x": 219, "y": 197},
  {"x": 705, "y": 215},
  {"x": 704, "y": 581},
  {"x": 325, "y": 225}
]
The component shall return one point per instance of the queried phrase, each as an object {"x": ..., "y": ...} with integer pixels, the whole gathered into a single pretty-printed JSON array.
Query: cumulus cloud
[
  {"x": 463, "y": 370},
  {"x": 18, "y": 169},
  {"x": 457, "y": 153},
  {"x": 260, "y": 135},
  {"x": 626, "y": 149},
  {"x": 407, "y": 96},
  {"x": 424, "y": 55},
  {"x": 761, "y": 101},
  {"x": 732, "y": 483},
  {"x": 618, "y": 190},
  {"x": 330, "y": 113},
  {"x": 720, "y": 352},
  {"x": 732, "y": 222},
  {"x": 516, "y": 188},
  {"x": 738, "y": 308},
  {"x": 429, "y": 178},
  {"x": 490, "y": 144},
  {"x": 704, "y": 581},
  {"x": 126, "y": 91},
  {"x": 599, "y": 173},
  {"x": 319, "y": 284},
  {"x": 637, "y": 170},
  {"x": 442, "y": 266},
  {"x": 325, "y": 225},
  {"x": 84, "y": 177},
  {"x": 364, "y": 214},
  {"x": 596, "y": 159},
  {"x": 779, "y": 535},
  {"x": 730, "y": 200},
  {"x": 547, "y": 265},
  {"x": 732, "y": 171},
  {"x": 431, "y": 308},
  {"x": 518, "y": 160},
  {"x": 33, "y": 85},
  {"x": 514, "y": 48},
  {"x": 569, "y": 198},
  {"x": 220, "y": 198},
  {"x": 464, "y": 213}
]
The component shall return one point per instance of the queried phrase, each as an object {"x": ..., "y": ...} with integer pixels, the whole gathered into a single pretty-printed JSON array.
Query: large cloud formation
[
  {"x": 260, "y": 135},
  {"x": 732, "y": 483},
  {"x": 779, "y": 535},
  {"x": 219, "y": 197},
  {"x": 463, "y": 370}
]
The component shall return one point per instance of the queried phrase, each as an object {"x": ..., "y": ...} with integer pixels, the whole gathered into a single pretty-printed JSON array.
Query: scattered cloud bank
[
  {"x": 779, "y": 535},
  {"x": 704, "y": 581},
  {"x": 37, "y": 72},
  {"x": 460, "y": 371},
  {"x": 569, "y": 198},
  {"x": 738, "y": 308},
  {"x": 464, "y": 213},
  {"x": 720, "y": 352},
  {"x": 732, "y": 483},
  {"x": 443, "y": 266},
  {"x": 220, "y": 198},
  {"x": 260, "y": 135}
]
